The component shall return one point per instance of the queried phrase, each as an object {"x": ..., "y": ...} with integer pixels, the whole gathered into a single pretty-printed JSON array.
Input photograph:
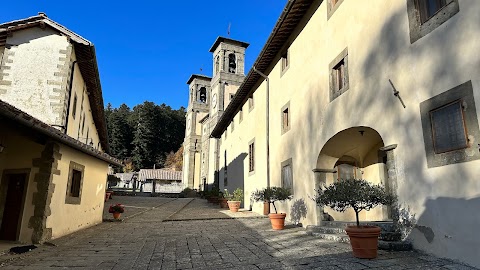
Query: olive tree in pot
[
  {"x": 359, "y": 195},
  {"x": 272, "y": 195},
  {"x": 235, "y": 199}
]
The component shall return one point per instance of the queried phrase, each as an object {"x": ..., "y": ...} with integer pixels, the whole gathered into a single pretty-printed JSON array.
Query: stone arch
[
  {"x": 202, "y": 95},
  {"x": 360, "y": 152},
  {"x": 232, "y": 63}
]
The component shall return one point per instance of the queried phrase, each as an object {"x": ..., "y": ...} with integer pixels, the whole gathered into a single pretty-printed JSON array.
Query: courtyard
[{"x": 187, "y": 233}]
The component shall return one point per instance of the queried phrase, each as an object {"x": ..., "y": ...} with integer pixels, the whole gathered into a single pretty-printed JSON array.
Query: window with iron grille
[{"x": 448, "y": 128}]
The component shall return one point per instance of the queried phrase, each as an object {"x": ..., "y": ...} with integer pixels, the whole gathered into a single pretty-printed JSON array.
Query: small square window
[
  {"x": 251, "y": 157},
  {"x": 428, "y": 8},
  {"x": 332, "y": 6},
  {"x": 286, "y": 118},
  {"x": 74, "y": 184},
  {"x": 250, "y": 103},
  {"x": 285, "y": 61},
  {"x": 424, "y": 16},
  {"x": 339, "y": 81},
  {"x": 448, "y": 128},
  {"x": 232, "y": 96},
  {"x": 287, "y": 175}
]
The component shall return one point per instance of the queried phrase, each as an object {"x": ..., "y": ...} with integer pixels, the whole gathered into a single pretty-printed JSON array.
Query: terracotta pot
[
  {"x": 223, "y": 203},
  {"x": 278, "y": 221},
  {"x": 364, "y": 241},
  {"x": 214, "y": 200},
  {"x": 234, "y": 205},
  {"x": 116, "y": 215}
]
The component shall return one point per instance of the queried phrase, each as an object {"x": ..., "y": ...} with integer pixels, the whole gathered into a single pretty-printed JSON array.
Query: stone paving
[{"x": 145, "y": 241}]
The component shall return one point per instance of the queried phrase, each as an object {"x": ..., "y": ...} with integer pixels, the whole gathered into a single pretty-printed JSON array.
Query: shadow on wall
[
  {"x": 454, "y": 228},
  {"x": 232, "y": 176},
  {"x": 298, "y": 211}
]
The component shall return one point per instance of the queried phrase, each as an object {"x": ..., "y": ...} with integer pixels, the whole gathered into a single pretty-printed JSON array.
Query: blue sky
[{"x": 147, "y": 50}]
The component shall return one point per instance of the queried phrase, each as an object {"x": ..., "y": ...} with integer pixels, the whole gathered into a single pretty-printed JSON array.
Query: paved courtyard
[{"x": 161, "y": 233}]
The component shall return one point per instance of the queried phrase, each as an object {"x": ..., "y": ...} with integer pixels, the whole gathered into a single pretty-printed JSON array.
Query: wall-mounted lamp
[
  {"x": 361, "y": 132},
  {"x": 1, "y": 148}
]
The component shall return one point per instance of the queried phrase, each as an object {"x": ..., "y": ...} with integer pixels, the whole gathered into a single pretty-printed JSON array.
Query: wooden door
[{"x": 13, "y": 206}]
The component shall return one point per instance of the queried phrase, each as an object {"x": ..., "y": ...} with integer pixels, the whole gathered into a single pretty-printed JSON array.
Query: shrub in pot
[
  {"x": 223, "y": 199},
  {"x": 235, "y": 199},
  {"x": 359, "y": 195},
  {"x": 272, "y": 195},
  {"x": 116, "y": 210}
]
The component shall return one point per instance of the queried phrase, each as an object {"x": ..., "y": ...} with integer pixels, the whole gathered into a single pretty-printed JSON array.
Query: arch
[
  {"x": 202, "y": 95},
  {"x": 217, "y": 64},
  {"x": 356, "y": 151},
  {"x": 232, "y": 63}
]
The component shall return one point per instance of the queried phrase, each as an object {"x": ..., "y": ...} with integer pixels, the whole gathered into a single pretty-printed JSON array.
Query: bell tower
[
  {"x": 228, "y": 74},
  {"x": 197, "y": 109}
]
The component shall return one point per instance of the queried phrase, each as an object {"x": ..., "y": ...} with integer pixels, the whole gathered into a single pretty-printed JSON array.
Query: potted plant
[
  {"x": 235, "y": 200},
  {"x": 272, "y": 195},
  {"x": 116, "y": 210},
  {"x": 359, "y": 195},
  {"x": 214, "y": 196},
  {"x": 223, "y": 198}
]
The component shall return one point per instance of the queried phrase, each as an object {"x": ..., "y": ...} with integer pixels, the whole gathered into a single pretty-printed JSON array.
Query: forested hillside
[{"x": 145, "y": 135}]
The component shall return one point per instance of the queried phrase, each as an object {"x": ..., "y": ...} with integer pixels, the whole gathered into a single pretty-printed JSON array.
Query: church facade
[{"x": 387, "y": 92}]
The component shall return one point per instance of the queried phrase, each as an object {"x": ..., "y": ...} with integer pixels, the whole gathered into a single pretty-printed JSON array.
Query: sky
[{"x": 146, "y": 50}]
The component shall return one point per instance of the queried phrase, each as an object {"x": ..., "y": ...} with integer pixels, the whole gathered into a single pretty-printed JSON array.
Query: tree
[{"x": 174, "y": 160}]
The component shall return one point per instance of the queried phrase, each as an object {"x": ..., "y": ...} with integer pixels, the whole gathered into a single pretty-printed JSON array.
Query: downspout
[
  {"x": 70, "y": 88},
  {"x": 267, "y": 122}
]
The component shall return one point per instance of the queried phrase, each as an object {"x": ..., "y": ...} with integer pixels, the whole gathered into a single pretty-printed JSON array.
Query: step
[
  {"x": 382, "y": 245},
  {"x": 341, "y": 238},
  {"x": 387, "y": 226},
  {"x": 384, "y": 235}
]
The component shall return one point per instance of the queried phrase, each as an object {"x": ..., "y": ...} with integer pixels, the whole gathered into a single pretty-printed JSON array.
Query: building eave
[
  {"x": 198, "y": 76},
  {"x": 228, "y": 40},
  {"x": 31, "y": 123}
]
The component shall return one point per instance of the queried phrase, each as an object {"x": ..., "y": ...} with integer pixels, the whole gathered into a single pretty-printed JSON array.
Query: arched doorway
[{"x": 353, "y": 153}]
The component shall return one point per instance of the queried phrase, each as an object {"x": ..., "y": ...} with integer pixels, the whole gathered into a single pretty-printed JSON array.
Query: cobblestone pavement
[{"x": 145, "y": 242}]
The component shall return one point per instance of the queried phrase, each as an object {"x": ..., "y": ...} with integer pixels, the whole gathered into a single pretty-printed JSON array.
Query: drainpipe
[{"x": 267, "y": 124}]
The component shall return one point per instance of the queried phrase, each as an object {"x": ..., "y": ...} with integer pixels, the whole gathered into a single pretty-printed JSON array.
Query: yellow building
[
  {"x": 53, "y": 137},
  {"x": 385, "y": 91}
]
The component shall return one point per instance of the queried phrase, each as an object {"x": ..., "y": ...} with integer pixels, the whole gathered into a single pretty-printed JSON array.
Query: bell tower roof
[
  {"x": 198, "y": 76},
  {"x": 229, "y": 41}
]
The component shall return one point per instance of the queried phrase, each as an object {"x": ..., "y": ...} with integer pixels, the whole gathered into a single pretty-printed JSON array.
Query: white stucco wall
[
  {"x": 34, "y": 83},
  {"x": 379, "y": 50}
]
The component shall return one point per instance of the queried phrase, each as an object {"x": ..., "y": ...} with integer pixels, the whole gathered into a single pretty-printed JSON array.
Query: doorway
[{"x": 15, "y": 184}]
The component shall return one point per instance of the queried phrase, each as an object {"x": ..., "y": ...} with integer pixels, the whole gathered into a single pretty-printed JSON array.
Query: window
[
  {"x": 428, "y": 8},
  {"x": 232, "y": 63},
  {"x": 332, "y": 6},
  {"x": 346, "y": 171},
  {"x": 285, "y": 62},
  {"x": 449, "y": 120},
  {"x": 231, "y": 96},
  {"x": 232, "y": 125},
  {"x": 424, "y": 16},
  {"x": 74, "y": 185},
  {"x": 339, "y": 75},
  {"x": 286, "y": 118},
  {"x": 448, "y": 128},
  {"x": 250, "y": 103},
  {"x": 74, "y": 109},
  {"x": 251, "y": 157},
  {"x": 240, "y": 115},
  {"x": 225, "y": 175},
  {"x": 287, "y": 174},
  {"x": 83, "y": 123}
]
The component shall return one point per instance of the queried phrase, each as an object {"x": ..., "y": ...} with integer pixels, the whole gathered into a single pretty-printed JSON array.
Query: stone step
[
  {"x": 341, "y": 238},
  {"x": 382, "y": 245},
  {"x": 385, "y": 225}
]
